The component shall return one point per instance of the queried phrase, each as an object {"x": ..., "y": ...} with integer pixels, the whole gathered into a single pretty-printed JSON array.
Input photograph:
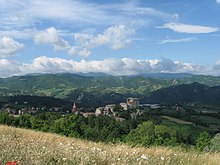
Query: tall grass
[{"x": 29, "y": 147}]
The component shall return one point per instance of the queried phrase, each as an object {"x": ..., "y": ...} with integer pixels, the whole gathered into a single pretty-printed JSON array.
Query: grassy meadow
[{"x": 28, "y": 147}]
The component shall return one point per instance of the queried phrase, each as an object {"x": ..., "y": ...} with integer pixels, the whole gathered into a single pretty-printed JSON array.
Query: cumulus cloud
[
  {"x": 124, "y": 66},
  {"x": 185, "y": 28},
  {"x": 218, "y": 1},
  {"x": 8, "y": 47},
  {"x": 189, "y": 39},
  {"x": 51, "y": 36},
  {"x": 9, "y": 68},
  {"x": 116, "y": 37}
]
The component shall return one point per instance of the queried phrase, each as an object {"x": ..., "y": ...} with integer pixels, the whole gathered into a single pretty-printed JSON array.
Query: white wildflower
[
  {"x": 144, "y": 157},
  {"x": 162, "y": 158}
]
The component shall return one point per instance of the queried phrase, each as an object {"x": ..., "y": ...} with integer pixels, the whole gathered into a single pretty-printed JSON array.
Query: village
[{"x": 131, "y": 107}]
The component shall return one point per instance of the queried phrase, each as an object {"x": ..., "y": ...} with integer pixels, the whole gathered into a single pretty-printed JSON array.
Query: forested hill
[
  {"x": 100, "y": 89},
  {"x": 194, "y": 93},
  {"x": 61, "y": 85}
]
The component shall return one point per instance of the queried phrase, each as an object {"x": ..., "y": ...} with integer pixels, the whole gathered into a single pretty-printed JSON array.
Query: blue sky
[{"x": 114, "y": 37}]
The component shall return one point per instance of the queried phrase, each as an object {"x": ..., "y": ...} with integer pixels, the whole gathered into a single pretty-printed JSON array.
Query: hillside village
[
  {"x": 112, "y": 109},
  {"x": 131, "y": 106}
]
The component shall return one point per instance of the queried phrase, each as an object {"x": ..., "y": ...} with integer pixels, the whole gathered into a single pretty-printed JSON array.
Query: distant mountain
[
  {"x": 194, "y": 93},
  {"x": 166, "y": 75}
]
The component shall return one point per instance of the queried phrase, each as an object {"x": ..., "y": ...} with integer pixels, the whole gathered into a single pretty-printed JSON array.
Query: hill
[
  {"x": 194, "y": 93},
  {"x": 30, "y": 147},
  {"x": 96, "y": 89}
]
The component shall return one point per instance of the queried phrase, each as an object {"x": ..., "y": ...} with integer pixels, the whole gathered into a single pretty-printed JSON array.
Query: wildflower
[
  {"x": 144, "y": 157},
  {"x": 175, "y": 154},
  {"x": 162, "y": 158},
  {"x": 64, "y": 159}
]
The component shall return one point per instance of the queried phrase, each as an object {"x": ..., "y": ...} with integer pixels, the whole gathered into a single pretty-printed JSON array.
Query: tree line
[{"x": 145, "y": 132}]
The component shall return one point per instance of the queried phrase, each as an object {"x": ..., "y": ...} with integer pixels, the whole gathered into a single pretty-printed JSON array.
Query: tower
[{"x": 74, "y": 109}]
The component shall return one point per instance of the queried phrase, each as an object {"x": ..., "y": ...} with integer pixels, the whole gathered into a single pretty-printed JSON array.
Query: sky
[{"x": 117, "y": 37}]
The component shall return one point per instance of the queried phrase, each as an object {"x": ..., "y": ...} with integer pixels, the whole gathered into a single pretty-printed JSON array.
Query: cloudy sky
[{"x": 115, "y": 37}]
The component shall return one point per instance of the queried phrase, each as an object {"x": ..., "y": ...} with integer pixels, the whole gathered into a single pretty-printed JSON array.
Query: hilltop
[{"x": 31, "y": 147}]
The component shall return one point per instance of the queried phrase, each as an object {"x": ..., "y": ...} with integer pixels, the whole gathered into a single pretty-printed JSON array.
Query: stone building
[
  {"x": 133, "y": 102},
  {"x": 74, "y": 109}
]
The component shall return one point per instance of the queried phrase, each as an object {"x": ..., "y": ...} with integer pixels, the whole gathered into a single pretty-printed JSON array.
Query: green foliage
[
  {"x": 25, "y": 121},
  {"x": 107, "y": 129},
  {"x": 203, "y": 141},
  {"x": 101, "y": 90},
  {"x": 143, "y": 134},
  {"x": 165, "y": 135},
  {"x": 4, "y": 118}
]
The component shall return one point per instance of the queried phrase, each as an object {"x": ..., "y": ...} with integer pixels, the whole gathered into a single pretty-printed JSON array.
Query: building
[
  {"x": 107, "y": 110},
  {"x": 99, "y": 111},
  {"x": 88, "y": 114},
  {"x": 124, "y": 106},
  {"x": 110, "y": 107},
  {"x": 133, "y": 102},
  {"x": 74, "y": 109}
]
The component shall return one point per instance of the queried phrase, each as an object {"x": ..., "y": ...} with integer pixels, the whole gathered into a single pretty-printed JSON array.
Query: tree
[
  {"x": 143, "y": 134},
  {"x": 165, "y": 135},
  {"x": 25, "y": 120},
  {"x": 4, "y": 118}
]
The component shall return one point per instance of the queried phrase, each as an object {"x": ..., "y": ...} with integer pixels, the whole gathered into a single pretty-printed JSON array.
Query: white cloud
[
  {"x": 189, "y": 39},
  {"x": 116, "y": 37},
  {"x": 29, "y": 14},
  {"x": 9, "y": 68},
  {"x": 18, "y": 34},
  {"x": 125, "y": 66},
  {"x": 8, "y": 47},
  {"x": 218, "y": 1},
  {"x": 185, "y": 28},
  {"x": 51, "y": 36}
]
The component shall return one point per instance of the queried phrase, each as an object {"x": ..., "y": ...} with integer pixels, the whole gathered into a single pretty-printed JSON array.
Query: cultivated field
[
  {"x": 177, "y": 120},
  {"x": 28, "y": 147}
]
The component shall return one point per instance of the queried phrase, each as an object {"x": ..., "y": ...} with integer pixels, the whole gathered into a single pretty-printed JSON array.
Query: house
[
  {"x": 86, "y": 114},
  {"x": 11, "y": 111},
  {"x": 124, "y": 106},
  {"x": 110, "y": 107},
  {"x": 133, "y": 102},
  {"x": 99, "y": 111},
  {"x": 107, "y": 110}
]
